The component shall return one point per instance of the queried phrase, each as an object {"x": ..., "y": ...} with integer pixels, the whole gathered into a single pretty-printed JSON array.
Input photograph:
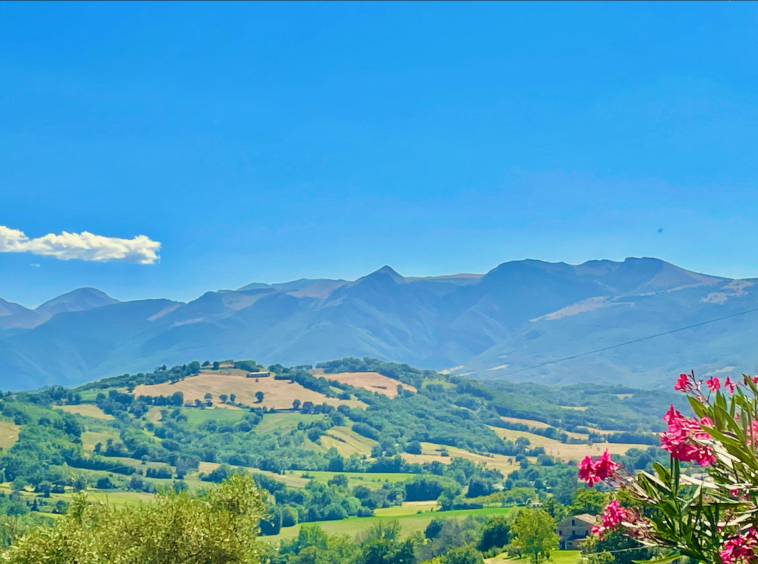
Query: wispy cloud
[{"x": 81, "y": 246}]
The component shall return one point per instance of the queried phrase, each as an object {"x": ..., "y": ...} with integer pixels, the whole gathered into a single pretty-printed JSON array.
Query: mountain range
[{"x": 523, "y": 320}]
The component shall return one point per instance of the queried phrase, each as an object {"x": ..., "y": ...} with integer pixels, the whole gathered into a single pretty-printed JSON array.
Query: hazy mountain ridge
[
  {"x": 79, "y": 300},
  {"x": 518, "y": 315}
]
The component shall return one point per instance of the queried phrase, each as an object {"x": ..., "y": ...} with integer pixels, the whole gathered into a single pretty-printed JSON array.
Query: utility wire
[{"x": 611, "y": 347}]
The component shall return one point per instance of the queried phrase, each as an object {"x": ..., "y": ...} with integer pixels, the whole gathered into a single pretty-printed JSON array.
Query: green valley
[{"x": 437, "y": 445}]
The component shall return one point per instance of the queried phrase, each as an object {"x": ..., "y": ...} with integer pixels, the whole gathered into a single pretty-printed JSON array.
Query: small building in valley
[{"x": 573, "y": 530}]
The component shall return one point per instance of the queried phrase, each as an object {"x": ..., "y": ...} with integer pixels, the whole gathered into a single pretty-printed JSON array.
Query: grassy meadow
[
  {"x": 410, "y": 523},
  {"x": 86, "y": 410},
  {"x": 556, "y": 557}
]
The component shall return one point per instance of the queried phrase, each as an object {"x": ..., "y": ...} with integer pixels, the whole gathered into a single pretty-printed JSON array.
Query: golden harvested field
[
  {"x": 563, "y": 451},
  {"x": 86, "y": 409},
  {"x": 278, "y": 394},
  {"x": 603, "y": 431},
  {"x": 371, "y": 381},
  {"x": 8, "y": 434},
  {"x": 528, "y": 422},
  {"x": 540, "y": 425},
  {"x": 431, "y": 452},
  {"x": 347, "y": 442}
]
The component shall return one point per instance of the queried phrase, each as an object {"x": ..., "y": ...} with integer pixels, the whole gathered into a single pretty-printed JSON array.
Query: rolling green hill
[{"x": 354, "y": 454}]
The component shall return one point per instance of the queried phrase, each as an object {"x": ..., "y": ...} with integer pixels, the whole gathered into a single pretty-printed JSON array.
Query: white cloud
[{"x": 81, "y": 246}]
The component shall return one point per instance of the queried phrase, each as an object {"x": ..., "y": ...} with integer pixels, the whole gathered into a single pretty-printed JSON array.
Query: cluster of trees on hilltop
[
  {"x": 158, "y": 376},
  {"x": 402, "y": 372}
]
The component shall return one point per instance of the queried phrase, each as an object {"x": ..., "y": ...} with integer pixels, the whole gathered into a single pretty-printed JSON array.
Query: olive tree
[{"x": 219, "y": 527}]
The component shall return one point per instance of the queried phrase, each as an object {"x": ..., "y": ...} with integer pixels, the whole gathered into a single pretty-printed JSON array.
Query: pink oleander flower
[
  {"x": 755, "y": 379},
  {"x": 732, "y": 386},
  {"x": 754, "y": 427},
  {"x": 740, "y": 549},
  {"x": 613, "y": 516},
  {"x": 678, "y": 440},
  {"x": 713, "y": 384},
  {"x": 682, "y": 383},
  {"x": 594, "y": 471},
  {"x": 598, "y": 530},
  {"x": 604, "y": 466},
  {"x": 587, "y": 471}
]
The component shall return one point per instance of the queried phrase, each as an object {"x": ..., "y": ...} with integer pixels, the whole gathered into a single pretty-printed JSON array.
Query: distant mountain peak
[
  {"x": 388, "y": 271},
  {"x": 520, "y": 314},
  {"x": 80, "y": 299},
  {"x": 9, "y": 308},
  {"x": 254, "y": 286}
]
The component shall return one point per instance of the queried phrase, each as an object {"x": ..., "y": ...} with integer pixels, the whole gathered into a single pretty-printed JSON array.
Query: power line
[{"x": 611, "y": 347}]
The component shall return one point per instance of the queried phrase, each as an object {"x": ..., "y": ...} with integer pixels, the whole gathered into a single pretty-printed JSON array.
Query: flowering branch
[{"x": 708, "y": 514}]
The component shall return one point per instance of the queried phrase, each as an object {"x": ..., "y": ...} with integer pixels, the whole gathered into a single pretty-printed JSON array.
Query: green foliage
[
  {"x": 423, "y": 488},
  {"x": 446, "y": 540},
  {"x": 555, "y": 509},
  {"x": 177, "y": 528},
  {"x": 621, "y": 549},
  {"x": 588, "y": 500},
  {"x": 533, "y": 534},
  {"x": 465, "y": 554},
  {"x": 495, "y": 535}
]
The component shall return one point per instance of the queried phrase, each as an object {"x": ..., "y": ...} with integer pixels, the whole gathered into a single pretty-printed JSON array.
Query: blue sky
[{"x": 269, "y": 142}]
